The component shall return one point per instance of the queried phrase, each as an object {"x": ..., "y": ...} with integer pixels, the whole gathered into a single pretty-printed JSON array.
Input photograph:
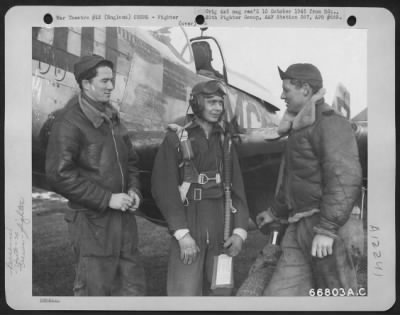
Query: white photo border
[{"x": 381, "y": 167}]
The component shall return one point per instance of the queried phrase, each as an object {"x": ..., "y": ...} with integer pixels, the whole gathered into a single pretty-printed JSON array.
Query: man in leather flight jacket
[{"x": 91, "y": 162}]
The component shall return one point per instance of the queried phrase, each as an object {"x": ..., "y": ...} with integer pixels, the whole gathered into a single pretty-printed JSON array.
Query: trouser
[
  {"x": 105, "y": 276},
  {"x": 190, "y": 280},
  {"x": 297, "y": 272},
  {"x": 107, "y": 261}
]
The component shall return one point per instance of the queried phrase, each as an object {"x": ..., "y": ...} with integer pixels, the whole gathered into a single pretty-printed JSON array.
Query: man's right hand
[
  {"x": 189, "y": 249},
  {"x": 264, "y": 217},
  {"x": 120, "y": 201}
]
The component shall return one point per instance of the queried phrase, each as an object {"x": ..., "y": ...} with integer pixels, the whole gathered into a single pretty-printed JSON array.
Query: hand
[
  {"x": 189, "y": 249},
  {"x": 264, "y": 217},
  {"x": 233, "y": 245},
  {"x": 322, "y": 245},
  {"x": 136, "y": 200},
  {"x": 120, "y": 201}
]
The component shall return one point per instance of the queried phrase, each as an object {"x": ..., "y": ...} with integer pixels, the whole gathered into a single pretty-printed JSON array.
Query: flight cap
[
  {"x": 302, "y": 71},
  {"x": 209, "y": 87},
  {"x": 88, "y": 62}
]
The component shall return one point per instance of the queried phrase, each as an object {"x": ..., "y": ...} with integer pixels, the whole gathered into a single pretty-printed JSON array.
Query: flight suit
[{"x": 202, "y": 213}]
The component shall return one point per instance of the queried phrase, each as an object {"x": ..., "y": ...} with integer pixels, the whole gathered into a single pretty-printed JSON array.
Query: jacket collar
[
  {"x": 306, "y": 117},
  {"x": 92, "y": 111},
  {"x": 217, "y": 127}
]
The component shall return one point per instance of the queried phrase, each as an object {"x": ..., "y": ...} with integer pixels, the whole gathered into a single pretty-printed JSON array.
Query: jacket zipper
[{"x": 119, "y": 163}]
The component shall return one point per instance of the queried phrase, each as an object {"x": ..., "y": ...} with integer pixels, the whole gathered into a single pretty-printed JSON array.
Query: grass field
[{"x": 53, "y": 272}]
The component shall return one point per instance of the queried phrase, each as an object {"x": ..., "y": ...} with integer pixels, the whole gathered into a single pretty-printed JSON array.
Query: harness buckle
[
  {"x": 197, "y": 194},
  {"x": 202, "y": 179}
]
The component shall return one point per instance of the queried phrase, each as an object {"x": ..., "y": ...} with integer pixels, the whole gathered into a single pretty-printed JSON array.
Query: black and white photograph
[{"x": 220, "y": 153}]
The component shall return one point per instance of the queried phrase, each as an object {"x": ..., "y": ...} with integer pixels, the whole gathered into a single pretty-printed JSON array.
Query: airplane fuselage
[{"x": 154, "y": 74}]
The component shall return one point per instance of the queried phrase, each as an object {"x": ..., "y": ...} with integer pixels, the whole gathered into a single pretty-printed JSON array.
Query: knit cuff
[
  {"x": 242, "y": 233},
  {"x": 322, "y": 231},
  {"x": 179, "y": 234}
]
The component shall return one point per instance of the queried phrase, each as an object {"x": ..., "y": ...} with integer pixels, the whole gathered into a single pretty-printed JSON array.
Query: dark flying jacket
[
  {"x": 167, "y": 177},
  {"x": 322, "y": 170},
  {"x": 89, "y": 156}
]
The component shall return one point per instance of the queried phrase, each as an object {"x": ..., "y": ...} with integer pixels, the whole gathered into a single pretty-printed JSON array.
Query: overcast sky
[{"x": 340, "y": 55}]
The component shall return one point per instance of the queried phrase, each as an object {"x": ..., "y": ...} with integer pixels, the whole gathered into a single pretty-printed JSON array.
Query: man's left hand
[
  {"x": 233, "y": 245},
  {"x": 322, "y": 245},
  {"x": 136, "y": 200}
]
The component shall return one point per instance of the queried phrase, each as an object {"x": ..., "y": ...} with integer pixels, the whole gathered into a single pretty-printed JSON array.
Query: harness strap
[
  {"x": 189, "y": 171},
  {"x": 206, "y": 179}
]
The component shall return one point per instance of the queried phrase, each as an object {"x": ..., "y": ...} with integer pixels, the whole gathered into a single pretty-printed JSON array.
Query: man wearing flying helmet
[{"x": 194, "y": 209}]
